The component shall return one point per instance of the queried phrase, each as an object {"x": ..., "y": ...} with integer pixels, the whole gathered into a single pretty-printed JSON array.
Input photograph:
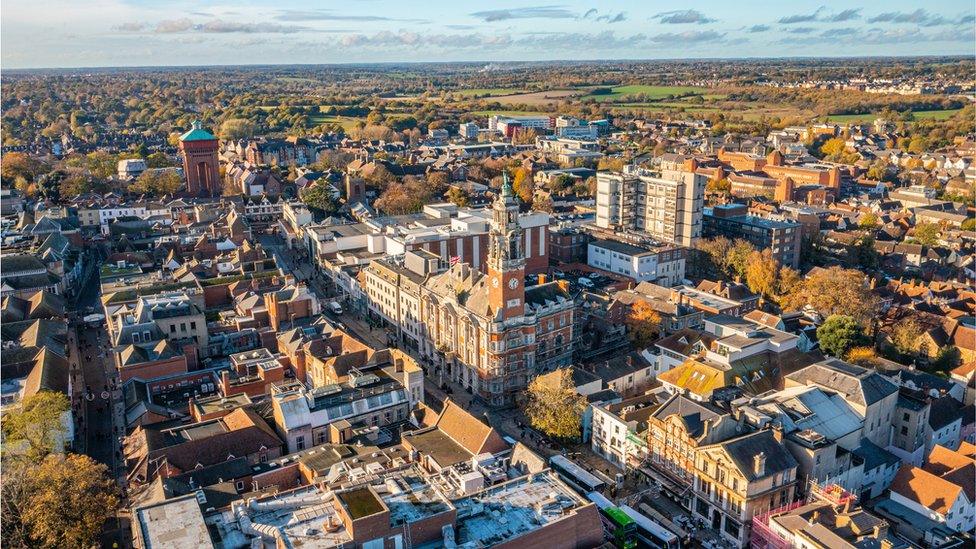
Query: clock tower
[{"x": 506, "y": 259}]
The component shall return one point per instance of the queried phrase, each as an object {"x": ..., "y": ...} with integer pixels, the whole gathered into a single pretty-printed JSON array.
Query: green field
[
  {"x": 507, "y": 113},
  {"x": 652, "y": 92},
  {"x": 487, "y": 91},
  {"x": 920, "y": 115},
  {"x": 347, "y": 122}
]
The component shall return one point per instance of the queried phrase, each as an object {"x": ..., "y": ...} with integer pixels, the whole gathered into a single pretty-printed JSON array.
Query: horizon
[{"x": 136, "y": 33}]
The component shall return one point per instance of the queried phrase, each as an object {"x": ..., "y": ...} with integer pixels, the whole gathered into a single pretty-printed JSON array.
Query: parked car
[
  {"x": 585, "y": 282},
  {"x": 335, "y": 308}
]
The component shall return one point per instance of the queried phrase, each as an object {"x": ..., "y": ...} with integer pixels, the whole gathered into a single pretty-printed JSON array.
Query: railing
[{"x": 763, "y": 537}]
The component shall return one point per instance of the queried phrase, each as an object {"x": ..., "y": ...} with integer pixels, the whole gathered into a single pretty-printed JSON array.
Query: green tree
[
  {"x": 158, "y": 160},
  {"x": 36, "y": 429},
  {"x": 236, "y": 128},
  {"x": 157, "y": 183},
  {"x": 839, "y": 334},
  {"x": 320, "y": 196},
  {"x": 554, "y": 407},
  {"x": 927, "y": 234}
]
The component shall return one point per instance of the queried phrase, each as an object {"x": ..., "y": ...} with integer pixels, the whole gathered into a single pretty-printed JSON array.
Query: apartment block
[{"x": 733, "y": 221}]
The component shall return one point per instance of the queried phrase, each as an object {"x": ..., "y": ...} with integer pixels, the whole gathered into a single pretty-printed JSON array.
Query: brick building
[{"x": 200, "y": 165}]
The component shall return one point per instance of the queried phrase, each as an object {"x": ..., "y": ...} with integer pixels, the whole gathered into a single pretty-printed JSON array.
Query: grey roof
[
  {"x": 859, "y": 385},
  {"x": 944, "y": 411},
  {"x": 693, "y": 414},
  {"x": 743, "y": 450},
  {"x": 874, "y": 456}
]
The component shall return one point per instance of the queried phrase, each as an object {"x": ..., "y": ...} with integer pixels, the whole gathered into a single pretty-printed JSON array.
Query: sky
[{"x": 113, "y": 33}]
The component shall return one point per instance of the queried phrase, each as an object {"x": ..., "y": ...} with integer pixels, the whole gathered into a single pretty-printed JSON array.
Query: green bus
[{"x": 622, "y": 528}]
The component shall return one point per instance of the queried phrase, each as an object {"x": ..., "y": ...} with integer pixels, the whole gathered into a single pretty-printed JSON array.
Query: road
[{"x": 98, "y": 398}]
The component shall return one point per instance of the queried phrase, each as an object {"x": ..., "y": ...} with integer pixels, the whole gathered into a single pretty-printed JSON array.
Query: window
[
  {"x": 905, "y": 418},
  {"x": 300, "y": 443},
  {"x": 193, "y": 325},
  {"x": 904, "y": 430}
]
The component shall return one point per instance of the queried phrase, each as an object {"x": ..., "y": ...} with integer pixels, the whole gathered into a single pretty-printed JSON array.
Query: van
[
  {"x": 585, "y": 282},
  {"x": 335, "y": 308}
]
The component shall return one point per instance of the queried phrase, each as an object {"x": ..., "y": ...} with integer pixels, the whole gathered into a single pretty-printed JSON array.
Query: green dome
[{"x": 197, "y": 133}]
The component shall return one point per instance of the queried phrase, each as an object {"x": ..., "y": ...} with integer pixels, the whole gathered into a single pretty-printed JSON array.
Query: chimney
[
  {"x": 778, "y": 432},
  {"x": 815, "y": 517},
  {"x": 630, "y": 360},
  {"x": 542, "y": 278},
  {"x": 398, "y": 365},
  {"x": 759, "y": 464}
]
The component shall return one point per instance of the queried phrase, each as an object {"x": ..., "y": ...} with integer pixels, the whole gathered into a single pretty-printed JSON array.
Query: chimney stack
[{"x": 759, "y": 464}]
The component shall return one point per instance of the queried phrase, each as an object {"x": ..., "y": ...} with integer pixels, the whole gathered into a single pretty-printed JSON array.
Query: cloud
[
  {"x": 603, "y": 41},
  {"x": 589, "y": 12},
  {"x": 174, "y": 25},
  {"x": 801, "y": 30},
  {"x": 130, "y": 27},
  {"x": 680, "y": 17},
  {"x": 919, "y": 17},
  {"x": 884, "y": 37},
  {"x": 220, "y": 26},
  {"x": 758, "y": 28},
  {"x": 328, "y": 15},
  {"x": 968, "y": 19},
  {"x": 845, "y": 15},
  {"x": 546, "y": 12},
  {"x": 610, "y": 18},
  {"x": 692, "y": 36},
  {"x": 801, "y": 18}
]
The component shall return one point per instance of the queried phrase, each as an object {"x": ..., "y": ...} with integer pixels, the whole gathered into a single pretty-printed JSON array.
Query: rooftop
[{"x": 173, "y": 524}]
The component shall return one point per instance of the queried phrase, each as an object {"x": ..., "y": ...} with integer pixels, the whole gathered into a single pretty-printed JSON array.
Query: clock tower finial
[{"x": 506, "y": 257}]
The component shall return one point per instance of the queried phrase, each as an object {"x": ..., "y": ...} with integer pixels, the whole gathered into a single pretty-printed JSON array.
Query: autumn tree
[
  {"x": 553, "y": 405},
  {"x": 522, "y": 185},
  {"x": 643, "y": 324},
  {"x": 610, "y": 164},
  {"x": 833, "y": 291},
  {"x": 68, "y": 499},
  {"x": 458, "y": 197},
  {"x": 762, "y": 273},
  {"x": 18, "y": 164},
  {"x": 737, "y": 260},
  {"x": 865, "y": 357},
  {"x": 839, "y": 334},
  {"x": 718, "y": 186},
  {"x": 869, "y": 220},
  {"x": 906, "y": 336},
  {"x": 542, "y": 204}
]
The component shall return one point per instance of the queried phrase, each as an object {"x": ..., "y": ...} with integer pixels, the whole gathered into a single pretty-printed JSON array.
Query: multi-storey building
[
  {"x": 489, "y": 332},
  {"x": 666, "y": 205},
  {"x": 732, "y": 221},
  {"x": 664, "y": 265}
]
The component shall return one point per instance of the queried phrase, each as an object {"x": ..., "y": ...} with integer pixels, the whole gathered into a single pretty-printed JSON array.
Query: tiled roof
[
  {"x": 926, "y": 489},
  {"x": 469, "y": 432}
]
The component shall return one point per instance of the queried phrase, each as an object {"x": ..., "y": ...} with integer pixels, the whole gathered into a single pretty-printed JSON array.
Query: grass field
[
  {"x": 347, "y": 122},
  {"x": 652, "y": 92},
  {"x": 487, "y": 91},
  {"x": 537, "y": 98},
  {"x": 920, "y": 115},
  {"x": 508, "y": 113}
]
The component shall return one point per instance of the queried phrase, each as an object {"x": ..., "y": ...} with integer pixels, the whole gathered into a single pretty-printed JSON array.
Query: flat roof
[
  {"x": 620, "y": 247},
  {"x": 361, "y": 502},
  {"x": 175, "y": 523}
]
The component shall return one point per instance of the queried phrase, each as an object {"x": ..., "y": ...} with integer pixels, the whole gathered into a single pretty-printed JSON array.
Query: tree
[
  {"x": 718, "y": 186},
  {"x": 18, "y": 164},
  {"x": 458, "y": 197},
  {"x": 158, "y": 160},
  {"x": 969, "y": 224},
  {"x": 839, "y": 334},
  {"x": 554, "y": 407},
  {"x": 560, "y": 184},
  {"x": 102, "y": 164},
  {"x": 320, "y": 196},
  {"x": 438, "y": 182},
  {"x": 906, "y": 335},
  {"x": 833, "y": 291},
  {"x": 869, "y": 220},
  {"x": 157, "y": 183},
  {"x": 762, "y": 272},
  {"x": 708, "y": 260},
  {"x": 865, "y": 357},
  {"x": 236, "y": 128},
  {"x": 397, "y": 200},
  {"x": 789, "y": 279},
  {"x": 610, "y": 164},
  {"x": 73, "y": 185},
  {"x": 522, "y": 185},
  {"x": 37, "y": 428},
  {"x": 926, "y": 234},
  {"x": 643, "y": 324},
  {"x": 833, "y": 147},
  {"x": 70, "y": 498},
  {"x": 738, "y": 258}
]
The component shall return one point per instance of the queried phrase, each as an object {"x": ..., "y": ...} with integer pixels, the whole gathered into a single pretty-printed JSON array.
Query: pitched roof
[
  {"x": 743, "y": 451},
  {"x": 469, "y": 432},
  {"x": 926, "y": 489},
  {"x": 197, "y": 133}
]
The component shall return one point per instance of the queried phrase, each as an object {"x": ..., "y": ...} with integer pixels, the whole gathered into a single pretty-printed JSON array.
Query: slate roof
[
  {"x": 692, "y": 414},
  {"x": 859, "y": 385},
  {"x": 742, "y": 451}
]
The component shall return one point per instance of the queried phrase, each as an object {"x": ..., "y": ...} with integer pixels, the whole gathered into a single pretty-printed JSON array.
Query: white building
[
  {"x": 663, "y": 266},
  {"x": 666, "y": 205},
  {"x": 619, "y": 430},
  {"x": 469, "y": 130}
]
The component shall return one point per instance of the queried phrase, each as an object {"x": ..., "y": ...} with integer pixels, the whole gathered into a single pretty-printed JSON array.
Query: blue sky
[{"x": 79, "y": 33}]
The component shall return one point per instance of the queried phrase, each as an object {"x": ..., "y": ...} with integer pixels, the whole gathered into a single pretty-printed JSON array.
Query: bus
[
  {"x": 574, "y": 475},
  {"x": 621, "y": 528},
  {"x": 650, "y": 534}
]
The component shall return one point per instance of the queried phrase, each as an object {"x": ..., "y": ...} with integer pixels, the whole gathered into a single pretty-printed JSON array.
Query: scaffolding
[{"x": 763, "y": 537}]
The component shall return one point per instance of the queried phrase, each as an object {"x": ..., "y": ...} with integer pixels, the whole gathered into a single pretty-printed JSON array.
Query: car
[
  {"x": 558, "y": 274},
  {"x": 585, "y": 282},
  {"x": 335, "y": 308}
]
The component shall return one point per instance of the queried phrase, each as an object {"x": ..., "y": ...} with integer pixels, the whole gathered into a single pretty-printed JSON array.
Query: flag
[{"x": 455, "y": 259}]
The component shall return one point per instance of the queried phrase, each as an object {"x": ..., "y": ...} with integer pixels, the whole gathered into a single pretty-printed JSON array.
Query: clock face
[
  {"x": 494, "y": 281},
  {"x": 513, "y": 283}
]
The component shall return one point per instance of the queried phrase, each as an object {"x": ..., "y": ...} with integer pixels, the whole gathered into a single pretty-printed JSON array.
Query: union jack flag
[{"x": 455, "y": 259}]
